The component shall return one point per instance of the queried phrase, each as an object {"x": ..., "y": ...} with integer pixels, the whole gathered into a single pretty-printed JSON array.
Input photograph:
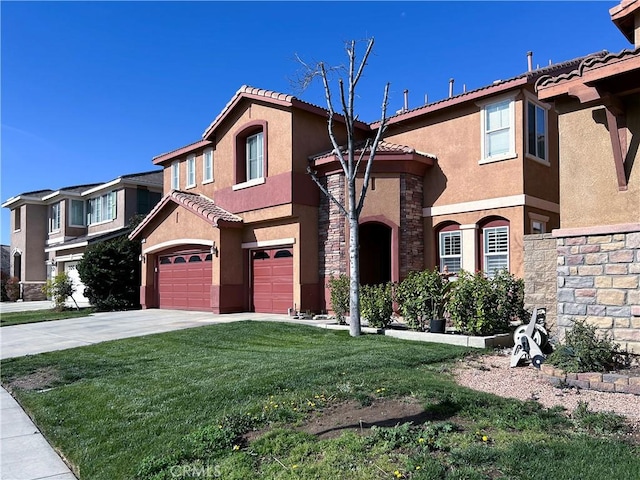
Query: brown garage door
[
  {"x": 184, "y": 281},
  {"x": 273, "y": 280}
]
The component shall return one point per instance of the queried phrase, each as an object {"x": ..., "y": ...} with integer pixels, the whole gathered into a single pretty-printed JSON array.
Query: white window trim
[
  {"x": 536, "y": 217},
  {"x": 247, "y": 184},
  {"x": 175, "y": 175},
  {"x": 484, "y": 248},
  {"x": 440, "y": 244},
  {"x": 260, "y": 159},
  {"x": 90, "y": 222},
  {"x": 511, "y": 154},
  {"x": 532, "y": 99},
  {"x": 84, "y": 213},
  {"x": 206, "y": 179},
  {"x": 191, "y": 171},
  {"x": 51, "y": 218}
]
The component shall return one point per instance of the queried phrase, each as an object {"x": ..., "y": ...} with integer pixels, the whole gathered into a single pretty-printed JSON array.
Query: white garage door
[{"x": 71, "y": 269}]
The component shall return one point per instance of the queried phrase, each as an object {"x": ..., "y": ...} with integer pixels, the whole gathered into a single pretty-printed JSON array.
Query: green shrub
[
  {"x": 510, "y": 291},
  {"x": 422, "y": 296},
  {"x": 110, "y": 272},
  {"x": 12, "y": 289},
  {"x": 598, "y": 422},
  {"x": 584, "y": 351},
  {"x": 340, "y": 289},
  {"x": 59, "y": 289},
  {"x": 485, "y": 306},
  {"x": 376, "y": 304}
]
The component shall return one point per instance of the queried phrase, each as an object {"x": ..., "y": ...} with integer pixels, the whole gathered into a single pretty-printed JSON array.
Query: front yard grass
[
  {"x": 34, "y": 316},
  {"x": 186, "y": 404}
]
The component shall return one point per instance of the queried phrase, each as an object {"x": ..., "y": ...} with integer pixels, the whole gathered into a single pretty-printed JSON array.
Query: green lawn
[
  {"x": 34, "y": 316},
  {"x": 175, "y": 405}
]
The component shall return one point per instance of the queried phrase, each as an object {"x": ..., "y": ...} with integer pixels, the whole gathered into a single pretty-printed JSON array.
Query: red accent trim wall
[
  {"x": 227, "y": 298},
  {"x": 274, "y": 191}
]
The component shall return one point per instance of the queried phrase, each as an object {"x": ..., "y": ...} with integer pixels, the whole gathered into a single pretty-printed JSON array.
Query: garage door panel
[
  {"x": 185, "y": 285},
  {"x": 272, "y": 280}
]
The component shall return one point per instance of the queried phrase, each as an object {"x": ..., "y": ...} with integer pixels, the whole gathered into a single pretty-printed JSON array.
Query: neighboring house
[
  {"x": 5, "y": 262},
  {"x": 598, "y": 242},
  {"x": 50, "y": 229},
  {"x": 244, "y": 227}
]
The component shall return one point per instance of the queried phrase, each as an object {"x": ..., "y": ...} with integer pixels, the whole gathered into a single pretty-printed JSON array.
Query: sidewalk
[{"x": 24, "y": 452}]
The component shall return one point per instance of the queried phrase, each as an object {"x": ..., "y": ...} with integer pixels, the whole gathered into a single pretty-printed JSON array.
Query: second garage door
[
  {"x": 272, "y": 280},
  {"x": 184, "y": 281}
]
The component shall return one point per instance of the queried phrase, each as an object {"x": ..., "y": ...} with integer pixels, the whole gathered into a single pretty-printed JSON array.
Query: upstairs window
[
  {"x": 17, "y": 219},
  {"x": 251, "y": 154},
  {"x": 175, "y": 175},
  {"x": 103, "y": 208},
  {"x": 537, "y": 131},
  {"x": 498, "y": 135},
  {"x": 207, "y": 165},
  {"x": 254, "y": 152},
  {"x": 191, "y": 171},
  {"x": 450, "y": 250},
  {"x": 78, "y": 215},
  {"x": 496, "y": 249},
  {"x": 54, "y": 218}
]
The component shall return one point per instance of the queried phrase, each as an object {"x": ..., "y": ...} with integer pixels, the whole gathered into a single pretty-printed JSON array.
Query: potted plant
[{"x": 438, "y": 288}]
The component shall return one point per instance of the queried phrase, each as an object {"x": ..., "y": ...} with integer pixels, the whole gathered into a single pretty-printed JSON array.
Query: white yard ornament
[{"x": 529, "y": 340}]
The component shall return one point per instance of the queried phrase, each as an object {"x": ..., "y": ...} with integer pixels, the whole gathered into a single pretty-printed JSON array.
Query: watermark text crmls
[{"x": 195, "y": 471}]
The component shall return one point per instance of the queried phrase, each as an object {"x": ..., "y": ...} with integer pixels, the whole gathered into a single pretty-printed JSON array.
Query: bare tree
[{"x": 350, "y": 156}]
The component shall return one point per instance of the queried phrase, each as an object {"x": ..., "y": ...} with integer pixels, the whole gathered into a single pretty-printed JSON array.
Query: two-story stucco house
[
  {"x": 50, "y": 229},
  {"x": 456, "y": 183},
  {"x": 598, "y": 242}
]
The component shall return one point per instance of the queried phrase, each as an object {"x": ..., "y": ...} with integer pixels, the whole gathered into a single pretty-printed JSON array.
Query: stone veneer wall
[
  {"x": 32, "y": 292},
  {"x": 333, "y": 256},
  {"x": 540, "y": 265},
  {"x": 411, "y": 224},
  {"x": 598, "y": 280}
]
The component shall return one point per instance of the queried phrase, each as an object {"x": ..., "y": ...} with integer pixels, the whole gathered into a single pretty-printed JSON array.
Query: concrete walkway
[{"x": 24, "y": 452}]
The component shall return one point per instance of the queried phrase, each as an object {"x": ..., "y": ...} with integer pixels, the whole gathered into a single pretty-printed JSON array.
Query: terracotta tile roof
[
  {"x": 204, "y": 206},
  {"x": 587, "y": 63},
  {"x": 383, "y": 147},
  {"x": 247, "y": 90},
  {"x": 489, "y": 89},
  {"x": 199, "y": 204}
]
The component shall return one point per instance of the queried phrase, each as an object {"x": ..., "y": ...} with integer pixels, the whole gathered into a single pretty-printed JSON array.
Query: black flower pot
[{"x": 437, "y": 325}]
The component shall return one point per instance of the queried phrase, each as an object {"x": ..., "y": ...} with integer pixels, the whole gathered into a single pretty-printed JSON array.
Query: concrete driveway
[{"x": 32, "y": 338}]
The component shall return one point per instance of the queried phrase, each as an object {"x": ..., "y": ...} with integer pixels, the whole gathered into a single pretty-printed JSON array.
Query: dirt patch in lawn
[
  {"x": 352, "y": 415},
  {"x": 39, "y": 380}
]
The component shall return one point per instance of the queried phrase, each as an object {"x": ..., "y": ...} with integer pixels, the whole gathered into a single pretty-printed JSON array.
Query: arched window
[
  {"x": 449, "y": 247},
  {"x": 283, "y": 254},
  {"x": 495, "y": 245},
  {"x": 251, "y": 152},
  {"x": 180, "y": 260},
  {"x": 260, "y": 255}
]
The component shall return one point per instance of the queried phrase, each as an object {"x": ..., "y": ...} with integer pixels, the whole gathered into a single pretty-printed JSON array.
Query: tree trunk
[{"x": 354, "y": 263}]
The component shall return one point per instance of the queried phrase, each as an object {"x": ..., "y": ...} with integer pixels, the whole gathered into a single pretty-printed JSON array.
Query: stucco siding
[{"x": 588, "y": 184}]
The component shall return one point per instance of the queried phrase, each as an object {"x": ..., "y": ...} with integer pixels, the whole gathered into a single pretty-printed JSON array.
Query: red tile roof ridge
[
  {"x": 527, "y": 75},
  {"x": 601, "y": 58},
  {"x": 204, "y": 206},
  {"x": 383, "y": 146}
]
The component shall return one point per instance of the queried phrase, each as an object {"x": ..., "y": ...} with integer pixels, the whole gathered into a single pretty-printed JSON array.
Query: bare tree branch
[
  {"x": 314, "y": 177},
  {"x": 374, "y": 148}
]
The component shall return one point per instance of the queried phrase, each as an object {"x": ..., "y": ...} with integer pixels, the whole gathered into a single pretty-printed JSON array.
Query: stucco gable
[{"x": 198, "y": 204}]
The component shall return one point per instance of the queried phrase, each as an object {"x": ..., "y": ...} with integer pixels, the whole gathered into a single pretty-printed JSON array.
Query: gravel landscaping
[{"x": 492, "y": 374}]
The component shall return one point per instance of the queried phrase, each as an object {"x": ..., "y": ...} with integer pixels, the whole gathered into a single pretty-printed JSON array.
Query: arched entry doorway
[{"x": 375, "y": 253}]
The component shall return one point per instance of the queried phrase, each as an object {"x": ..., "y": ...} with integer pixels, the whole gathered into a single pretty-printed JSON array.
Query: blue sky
[{"x": 93, "y": 90}]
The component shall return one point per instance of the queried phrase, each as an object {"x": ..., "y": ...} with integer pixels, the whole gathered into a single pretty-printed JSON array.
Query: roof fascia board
[
  {"x": 20, "y": 199},
  {"x": 62, "y": 193},
  {"x": 457, "y": 100},
  {"x": 180, "y": 151},
  {"x": 110, "y": 184}
]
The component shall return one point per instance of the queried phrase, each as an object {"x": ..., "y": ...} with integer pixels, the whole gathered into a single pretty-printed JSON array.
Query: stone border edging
[{"x": 601, "y": 382}]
